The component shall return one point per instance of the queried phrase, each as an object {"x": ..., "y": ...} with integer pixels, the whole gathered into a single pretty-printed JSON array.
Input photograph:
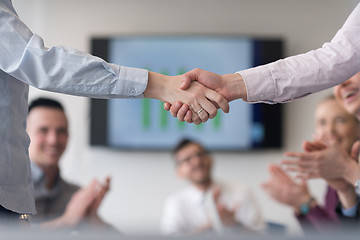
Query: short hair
[
  {"x": 45, "y": 102},
  {"x": 185, "y": 142}
]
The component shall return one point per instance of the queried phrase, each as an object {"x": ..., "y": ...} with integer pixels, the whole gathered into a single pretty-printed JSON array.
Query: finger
[
  {"x": 299, "y": 163},
  {"x": 314, "y": 146},
  {"x": 182, "y": 112},
  {"x": 216, "y": 193},
  {"x": 195, "y": 118},
  {"x": 302, "y": 171},
  {"x": 308, "y": 146},
  {"x": 107, "y": 183},
  {"x": 104, "y": 188},
  {"x": 88, "y": 193},
  {"x": 204, "y": 116},
  {"x": 307, "y": 176},
  {"x": 175, "y": 108},
  {"x": 167, "y": 106},
  {"x": 355, "y": 149},
  {"x": 313, "y": 175},
  {"x": 296, "y": 169},
  {"x": 188, "y": 116},
  {"x": 210, "y": 109},
  {"x": 293, "y": 154},
  {"x": 218, "y": 99},
  {"x": 200, "y": 112},
  {"x": 302, "y": 155},
  {"x": 281, "y": 174}
]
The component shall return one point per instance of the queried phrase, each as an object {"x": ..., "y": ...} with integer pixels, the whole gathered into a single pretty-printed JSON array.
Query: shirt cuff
[
  {"x": 260, "y": 86},
  {"x": 351, "y": 212},
  {"x": 131, "y": 82}
]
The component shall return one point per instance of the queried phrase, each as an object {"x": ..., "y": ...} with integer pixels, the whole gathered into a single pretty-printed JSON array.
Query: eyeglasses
[{"x": 187, "y": 159}]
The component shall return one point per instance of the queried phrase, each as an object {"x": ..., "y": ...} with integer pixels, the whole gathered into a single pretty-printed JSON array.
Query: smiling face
[
  {"x": 48, "y": 132},
  {"x": 334, "y": 122},
  {"x": 194, "y": 164},
  {"x": 348, "y": 95}
]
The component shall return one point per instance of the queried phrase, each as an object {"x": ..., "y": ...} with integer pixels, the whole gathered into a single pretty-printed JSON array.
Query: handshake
[{"x": 195, "y": 96}]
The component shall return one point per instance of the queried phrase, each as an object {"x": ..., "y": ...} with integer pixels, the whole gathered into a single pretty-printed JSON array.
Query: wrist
[
  {"x": 156, "y": 85},
  {"x": 235, "y": 85},
  {"x": 348, "y": 199},
  {"x": 305, "y": 205},
  {"x": 352, "y": 172}
]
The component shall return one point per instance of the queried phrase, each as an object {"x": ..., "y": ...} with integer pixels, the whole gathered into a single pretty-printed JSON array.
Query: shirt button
[{"x": 132, "y": 92}]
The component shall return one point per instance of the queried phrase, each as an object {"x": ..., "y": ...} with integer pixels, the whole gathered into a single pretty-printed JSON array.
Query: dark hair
[
  {"x": 183, "y": 143},
  {"x": 45, "y": 102}
]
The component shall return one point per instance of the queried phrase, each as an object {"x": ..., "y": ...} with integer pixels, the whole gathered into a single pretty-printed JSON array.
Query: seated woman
[{"x": 333, "y": 123}]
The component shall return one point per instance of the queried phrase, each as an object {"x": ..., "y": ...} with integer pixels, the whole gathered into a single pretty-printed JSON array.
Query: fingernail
[{"x": 177, "y": 105}]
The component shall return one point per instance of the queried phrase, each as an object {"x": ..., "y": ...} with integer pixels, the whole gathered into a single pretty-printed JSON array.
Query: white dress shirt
[
  {"x": 311, "y": 72},
  {"x": 186, "y": 210},
  {"x": 24, "y": 60}
]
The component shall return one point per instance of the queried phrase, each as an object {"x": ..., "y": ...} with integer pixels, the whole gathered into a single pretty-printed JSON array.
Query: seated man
[
  {"x": 207, "y": 205},
  {"x": 58, "y": 203},
  {"x": 332, "y": 122}
]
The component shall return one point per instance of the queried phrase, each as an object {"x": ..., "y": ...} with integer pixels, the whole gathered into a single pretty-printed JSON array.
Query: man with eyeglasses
[{"x": 207, "y": 206}]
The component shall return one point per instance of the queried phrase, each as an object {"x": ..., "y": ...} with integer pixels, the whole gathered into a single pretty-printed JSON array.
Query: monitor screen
[{"x": 142, "y": 124}]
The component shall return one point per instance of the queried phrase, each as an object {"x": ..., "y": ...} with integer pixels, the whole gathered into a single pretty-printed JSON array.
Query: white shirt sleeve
[
  {"x": 297, "y": 76},
  {"x": 171, "y": 223}
]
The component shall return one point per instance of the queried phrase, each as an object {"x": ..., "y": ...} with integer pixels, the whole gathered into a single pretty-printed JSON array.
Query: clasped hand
[
  {"x": 227, "y": 85},
  {"x": 195, "y": 96}
]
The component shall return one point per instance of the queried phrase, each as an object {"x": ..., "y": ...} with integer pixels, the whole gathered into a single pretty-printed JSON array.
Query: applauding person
[
  {"x": 333, "y": 122},
  {"x": 59, "y": 204}
]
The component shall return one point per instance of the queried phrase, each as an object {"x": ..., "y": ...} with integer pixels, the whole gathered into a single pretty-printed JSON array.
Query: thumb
[
  {"x": 188, "y": 78},
  {"x": 355, "y": 151}
]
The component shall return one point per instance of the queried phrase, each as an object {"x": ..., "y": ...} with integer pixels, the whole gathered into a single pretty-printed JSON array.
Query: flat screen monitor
[{"x": 142, "y": 124}]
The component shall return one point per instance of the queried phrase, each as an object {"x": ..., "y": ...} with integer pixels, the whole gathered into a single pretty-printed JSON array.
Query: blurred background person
[
  {"x": 192, "y": 210},
  {"x": 58, "y": 203},
  {"x": 334, "y": 123}
]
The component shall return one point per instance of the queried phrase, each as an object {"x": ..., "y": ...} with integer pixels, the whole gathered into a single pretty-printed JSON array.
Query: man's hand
[
  {"x": 83, "y": 205},
  {"x": 231, "y": 86},
  {"x": 102, "y": 190},
  {"x": 284, "y": 189},
  {"x": 202, "y": 101},
  {"x": 77, "y": 208},
  {"x": 226, "y": 215},
  {"x": 211, "y": 80},
  {"x": 327, "y": 160}
]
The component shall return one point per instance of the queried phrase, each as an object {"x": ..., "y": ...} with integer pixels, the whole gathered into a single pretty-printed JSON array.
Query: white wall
[{"x": 141, "y": 181}]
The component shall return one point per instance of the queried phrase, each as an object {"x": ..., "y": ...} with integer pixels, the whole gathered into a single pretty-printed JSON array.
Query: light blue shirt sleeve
[
  {"x": 351, "y": 212},
  {"x": 61, "y": 69}
]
